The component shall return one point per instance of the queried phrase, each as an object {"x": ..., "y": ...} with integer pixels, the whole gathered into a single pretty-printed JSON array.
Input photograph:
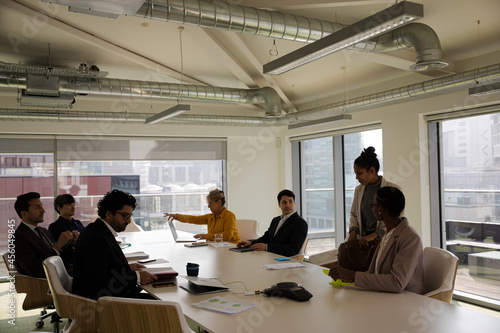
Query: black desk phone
[{"x": 289, "y": 290}]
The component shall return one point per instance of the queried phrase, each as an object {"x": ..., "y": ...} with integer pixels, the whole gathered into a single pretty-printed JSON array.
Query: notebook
[
  {"x": 162, "y": 272},
  {"x": 241, "y": 249},
  {"x": 178, "y": 239}
]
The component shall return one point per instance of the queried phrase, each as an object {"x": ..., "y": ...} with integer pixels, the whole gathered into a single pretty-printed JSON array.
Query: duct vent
[{"x": 64, "y": 100}]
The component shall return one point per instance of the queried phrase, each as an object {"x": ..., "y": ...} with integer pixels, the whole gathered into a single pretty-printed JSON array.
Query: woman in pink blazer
[{"x": 397, "y": 264}]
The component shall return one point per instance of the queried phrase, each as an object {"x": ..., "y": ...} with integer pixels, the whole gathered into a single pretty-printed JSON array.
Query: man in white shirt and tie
[
  {"x": 34, "y": 244},
  {"x": 287, "y": 232}
]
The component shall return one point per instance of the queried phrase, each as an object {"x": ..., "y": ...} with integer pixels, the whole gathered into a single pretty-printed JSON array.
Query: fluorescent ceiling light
[
  {"x": 372, "y": 26},
  {"x": 168, "y": 113},
  {"x": 485, "y": 89},
  {"x": 339, "y": 117}
]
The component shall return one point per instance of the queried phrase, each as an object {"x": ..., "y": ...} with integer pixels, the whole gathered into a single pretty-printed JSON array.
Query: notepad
[
  {"x": 283, "y": 265},
  {"x": 136, "y": 255}
]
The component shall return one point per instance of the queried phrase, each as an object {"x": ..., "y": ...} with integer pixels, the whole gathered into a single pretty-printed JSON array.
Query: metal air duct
[
  {"x": 418, "y": 90},
  {"x": 260, "y": 22},
  {"x": 147, "y": 89}
]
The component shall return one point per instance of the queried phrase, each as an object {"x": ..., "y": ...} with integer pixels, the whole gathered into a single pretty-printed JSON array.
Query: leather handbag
[{"x": 352, "y": 256}]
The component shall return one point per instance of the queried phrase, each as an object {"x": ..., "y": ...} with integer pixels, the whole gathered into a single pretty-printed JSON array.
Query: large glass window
[
  {"x": 318, "y": 193},
  {"x": 164, "y": 175},
  {"x": 159, "y": 186},
  {"x": 470, "y": 195}
]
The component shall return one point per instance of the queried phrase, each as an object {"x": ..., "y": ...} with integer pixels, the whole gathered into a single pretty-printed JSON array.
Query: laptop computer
[
  {"x": 178, "y": 239},
  {"x": 200, "y": 286}
]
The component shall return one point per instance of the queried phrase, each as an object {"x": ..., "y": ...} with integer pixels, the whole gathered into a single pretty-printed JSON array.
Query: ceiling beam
[
  {"x": 86, "y": 37},
  {"x": 243, "y": 65}
]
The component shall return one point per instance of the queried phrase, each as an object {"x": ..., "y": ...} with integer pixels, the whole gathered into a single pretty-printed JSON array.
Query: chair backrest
[
  {"x": 248, "y": 229},
  {"x": 301, "y": 254},
  {"x": 132, "y": 227},
  {"x": 326, "y": 259},
  {"x": 36, "y": 289},
  {"x": 440, "y": 271},
  {"x": 118, "y": 315},
  {"x": 81, "y": 310}
]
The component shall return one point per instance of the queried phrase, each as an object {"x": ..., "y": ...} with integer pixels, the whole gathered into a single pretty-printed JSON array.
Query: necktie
[{"x": 44, "y": 239}]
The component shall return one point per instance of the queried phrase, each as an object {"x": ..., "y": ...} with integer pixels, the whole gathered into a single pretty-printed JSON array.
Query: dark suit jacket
[
  {"x": 61, "y": 224},
  {"x": 31, "y": 251},
  {"x": 101, "y": 268},
  {"x": 290, "y": 237}
]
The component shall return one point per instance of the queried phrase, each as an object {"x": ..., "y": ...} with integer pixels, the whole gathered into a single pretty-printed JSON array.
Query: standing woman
[
  {"x": 363, "y": 224},
  {"x": 221, "y": 221}
]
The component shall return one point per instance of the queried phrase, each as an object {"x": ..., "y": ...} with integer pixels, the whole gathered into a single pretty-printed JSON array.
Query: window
[
  {"x": 164, "y": 175},
  {"x": 324, "y": 181},
  {"x": 469, "y": 192}
]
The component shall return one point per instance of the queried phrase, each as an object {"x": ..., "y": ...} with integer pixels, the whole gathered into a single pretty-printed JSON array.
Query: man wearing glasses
[{"x": 101, "y": 268}]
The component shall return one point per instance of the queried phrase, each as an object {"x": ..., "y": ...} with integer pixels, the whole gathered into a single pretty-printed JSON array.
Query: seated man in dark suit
[
  {"x": 101, "y": 268},
  {"x": 34, "y": 244},
  {"x": 64, "y": 205},
  {"x": 287, "y": 232}
]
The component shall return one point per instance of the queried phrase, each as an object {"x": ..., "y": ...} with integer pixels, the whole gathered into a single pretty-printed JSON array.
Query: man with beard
[{"x": 101, "y": 268}]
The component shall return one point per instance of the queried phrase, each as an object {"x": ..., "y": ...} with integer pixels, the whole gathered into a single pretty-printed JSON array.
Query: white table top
[{"x": 346, "y": 309}]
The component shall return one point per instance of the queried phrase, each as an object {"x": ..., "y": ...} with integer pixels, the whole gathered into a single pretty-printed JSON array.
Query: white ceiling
[{"x": 143, "y": 49}]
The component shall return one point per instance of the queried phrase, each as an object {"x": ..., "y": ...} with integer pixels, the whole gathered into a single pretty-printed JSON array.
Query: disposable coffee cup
[{"x": 192, "y": 269}]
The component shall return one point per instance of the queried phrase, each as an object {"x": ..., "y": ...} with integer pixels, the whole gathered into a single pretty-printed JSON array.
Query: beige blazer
[{"x": 400, "y": 265}]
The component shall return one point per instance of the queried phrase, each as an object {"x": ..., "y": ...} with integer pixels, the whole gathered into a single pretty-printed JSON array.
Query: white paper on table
[
  {"x": 283, "y": 265},
  {"x": 223, "y": 244},
  {"x": 223, "y": 305}
]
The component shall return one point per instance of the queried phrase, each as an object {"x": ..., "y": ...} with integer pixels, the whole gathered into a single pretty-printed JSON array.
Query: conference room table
[{"x": 331, "y": 309}]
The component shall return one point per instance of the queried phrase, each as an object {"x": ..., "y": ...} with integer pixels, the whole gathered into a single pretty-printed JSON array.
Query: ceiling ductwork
[
  {"x": 424, "y": 89},
  {"x": 139, "y": 89},
  {"x": 260, "y": 22}
]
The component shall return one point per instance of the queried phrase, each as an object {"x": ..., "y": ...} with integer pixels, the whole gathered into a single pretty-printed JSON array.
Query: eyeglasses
[
  {"x": 126, "y": 216},
  {"x": 373, "y": 205}
]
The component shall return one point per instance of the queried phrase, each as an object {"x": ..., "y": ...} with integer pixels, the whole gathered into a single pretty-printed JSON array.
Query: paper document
[
  {"x": 223, "y": 305},
  {"x": 283, "y": 265},
  {"x": 157, "y": 263},
  {"x": 223, "y": 244}
]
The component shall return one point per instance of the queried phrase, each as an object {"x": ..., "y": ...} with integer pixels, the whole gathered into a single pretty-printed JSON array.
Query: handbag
[{"x": 352, "y": 256}]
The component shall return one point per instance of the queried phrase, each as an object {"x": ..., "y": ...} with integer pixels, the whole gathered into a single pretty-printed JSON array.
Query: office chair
[
  {"x": 440, "y": 271},
  {"x": 301, "y": 254},
  {"x": 248, "y": 229},
  {"x": 327, "y": 259},
  {"x": 81, "y": 310},
  {"x": 36, "y": 290},
  {"x": 133, "y": 227},
  {"x": 117, "y": 315}
]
